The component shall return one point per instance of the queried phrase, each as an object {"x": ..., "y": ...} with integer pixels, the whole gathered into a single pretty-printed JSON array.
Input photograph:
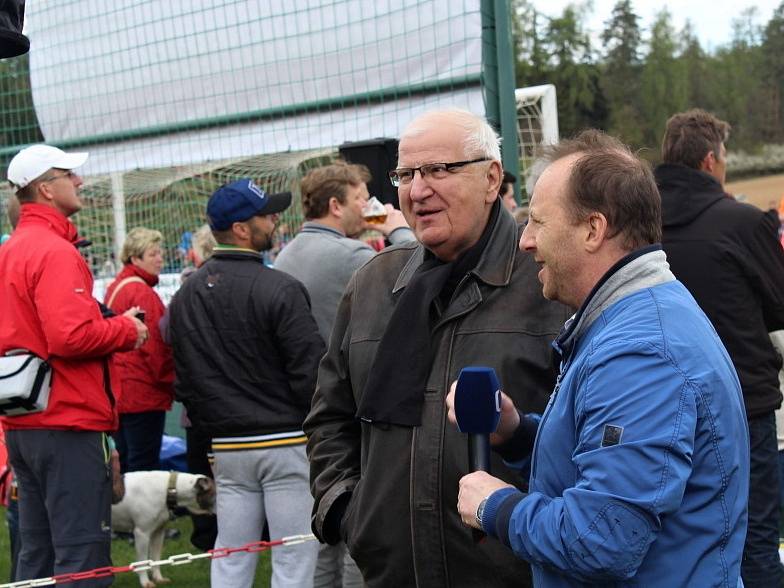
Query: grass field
[{"x": 194, "y": 575}]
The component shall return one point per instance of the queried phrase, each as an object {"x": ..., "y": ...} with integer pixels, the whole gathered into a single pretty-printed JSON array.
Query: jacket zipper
[{"x": 547, "y": 411}]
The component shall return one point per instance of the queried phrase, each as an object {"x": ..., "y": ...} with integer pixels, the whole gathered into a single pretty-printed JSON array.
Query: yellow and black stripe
[{"x": 221, "y": 444}]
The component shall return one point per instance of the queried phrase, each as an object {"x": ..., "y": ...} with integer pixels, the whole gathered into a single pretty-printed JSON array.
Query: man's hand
[
  {"x": 474, "y": 488},
  {"x": 507, "y": 425},
  {"x": 142, "y": 333},
  {"x": 395, "y": 220}
]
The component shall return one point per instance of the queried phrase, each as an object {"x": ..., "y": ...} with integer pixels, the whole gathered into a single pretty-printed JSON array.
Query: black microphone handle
[
  {"x": 478, "y": 461},
  {"x": 478, "y": 452}
]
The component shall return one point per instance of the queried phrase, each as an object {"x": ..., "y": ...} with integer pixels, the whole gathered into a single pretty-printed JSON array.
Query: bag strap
[
  {"x": 119, "y": 287},
  {"x": 31, "y": 357}
]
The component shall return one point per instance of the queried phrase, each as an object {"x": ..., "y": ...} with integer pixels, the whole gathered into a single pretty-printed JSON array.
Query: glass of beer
[{"x": 374, "y": 212}]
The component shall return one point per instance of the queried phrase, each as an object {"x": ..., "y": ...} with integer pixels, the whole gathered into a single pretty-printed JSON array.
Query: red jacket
[
  {"x": 48, "y": 308},
  {"x": 147, "y": 373}
]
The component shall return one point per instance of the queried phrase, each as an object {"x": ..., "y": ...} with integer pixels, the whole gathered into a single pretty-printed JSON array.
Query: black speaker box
[
  {"x": 12, "y": 41},
  {"x": 379, "y": 156}
]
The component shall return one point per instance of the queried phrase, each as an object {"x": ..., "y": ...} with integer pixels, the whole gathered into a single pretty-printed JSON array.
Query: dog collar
[{"x": 171, "y": 491}]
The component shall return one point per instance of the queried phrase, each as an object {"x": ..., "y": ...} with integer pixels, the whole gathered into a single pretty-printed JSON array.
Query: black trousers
[
  {"x": 139, "y": 440},
  {"x": 65, "y": 490},
  {"x": 205, "y": 526},
  {"x": 761, "y": 567}
]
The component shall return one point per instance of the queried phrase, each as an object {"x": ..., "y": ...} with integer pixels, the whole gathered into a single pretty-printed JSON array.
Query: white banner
[{"x": 100, "y": 68}]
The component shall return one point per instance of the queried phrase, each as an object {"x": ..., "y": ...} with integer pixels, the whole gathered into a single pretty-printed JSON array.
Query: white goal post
[{"x": 537, "y": 124}]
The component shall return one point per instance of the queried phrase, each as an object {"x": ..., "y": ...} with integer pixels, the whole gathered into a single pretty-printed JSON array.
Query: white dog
[{"x": 144, "y": 510}]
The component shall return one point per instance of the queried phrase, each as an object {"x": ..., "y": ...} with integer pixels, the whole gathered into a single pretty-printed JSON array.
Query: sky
[{"x": 712, "y": 19}]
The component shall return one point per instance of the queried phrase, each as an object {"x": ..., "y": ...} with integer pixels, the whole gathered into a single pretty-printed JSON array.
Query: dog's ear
[
  {"x": 205, "y": 492},
  {"x": 205, "y": 485}
]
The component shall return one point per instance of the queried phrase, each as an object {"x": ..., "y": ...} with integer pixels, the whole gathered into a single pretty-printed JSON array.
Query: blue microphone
[{"x": 478, "y": 409}]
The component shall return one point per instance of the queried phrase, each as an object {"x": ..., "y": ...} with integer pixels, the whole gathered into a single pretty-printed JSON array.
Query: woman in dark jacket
[{"x": 147, "y": 374}]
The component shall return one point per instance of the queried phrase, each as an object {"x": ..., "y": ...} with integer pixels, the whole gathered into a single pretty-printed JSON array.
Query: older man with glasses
[{"x": 384, "y": 462}]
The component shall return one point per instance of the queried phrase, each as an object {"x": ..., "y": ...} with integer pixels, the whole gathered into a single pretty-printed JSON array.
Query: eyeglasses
[
  {"x": 68, "y": 174},
  {"x": 437, "y": 171}
]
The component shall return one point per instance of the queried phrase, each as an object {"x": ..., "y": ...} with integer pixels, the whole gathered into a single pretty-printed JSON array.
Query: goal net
[{"x": 537, "y": 124}]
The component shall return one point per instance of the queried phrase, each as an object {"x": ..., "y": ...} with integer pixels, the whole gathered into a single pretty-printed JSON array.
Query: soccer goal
[{"x": 537, "y": 124}]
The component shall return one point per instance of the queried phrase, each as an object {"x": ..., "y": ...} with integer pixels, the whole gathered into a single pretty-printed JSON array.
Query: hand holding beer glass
[
  {"x": 374, "y": 212},
  {"x": 383, "y": 218}
]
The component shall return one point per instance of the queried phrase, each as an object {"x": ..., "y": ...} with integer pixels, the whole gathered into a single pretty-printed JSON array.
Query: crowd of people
[{"x": 626, "y": 314}]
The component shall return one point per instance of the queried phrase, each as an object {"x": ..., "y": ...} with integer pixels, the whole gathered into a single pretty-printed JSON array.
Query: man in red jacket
[{"x": 60, "y": 455}]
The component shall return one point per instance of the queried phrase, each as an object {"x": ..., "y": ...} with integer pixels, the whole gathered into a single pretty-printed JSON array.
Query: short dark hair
[
  {"x": 689, "y": 136},
  {"x": 333, "y": 180},
  {"x": 610, "y": 179},
  {"x": 27, "y": 194},
  {"x": 507, "y": 179}
]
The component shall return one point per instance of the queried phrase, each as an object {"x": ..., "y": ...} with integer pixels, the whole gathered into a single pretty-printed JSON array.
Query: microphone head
[{"x": 477, "y": 400}]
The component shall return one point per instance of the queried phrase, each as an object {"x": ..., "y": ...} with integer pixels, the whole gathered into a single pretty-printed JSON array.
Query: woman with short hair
[{"x": 147, "y": 374}]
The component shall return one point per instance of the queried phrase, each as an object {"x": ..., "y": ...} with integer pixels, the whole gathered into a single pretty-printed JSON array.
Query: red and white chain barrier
[{"x": 147, "y": 564}]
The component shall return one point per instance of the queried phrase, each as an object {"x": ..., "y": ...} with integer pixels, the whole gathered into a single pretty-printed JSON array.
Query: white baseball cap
[{"x": 32, "y": 162}]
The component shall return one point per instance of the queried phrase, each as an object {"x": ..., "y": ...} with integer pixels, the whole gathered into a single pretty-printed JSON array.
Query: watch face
[{"x": 480, "y": 510}]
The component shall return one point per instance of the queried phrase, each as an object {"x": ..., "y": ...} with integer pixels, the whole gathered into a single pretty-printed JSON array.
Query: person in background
[
  {"x": 326, "y": 252},
  {"x": 506, "y": 192},
  {"x": 777, "y": 337},
  {"x": 147, "y": 373},
  {"x": 60, "y": 456},
  {"x": 12, "y": 209},
  {"x": 729, "y": 257},
  {"x": 197, "y": 443}
]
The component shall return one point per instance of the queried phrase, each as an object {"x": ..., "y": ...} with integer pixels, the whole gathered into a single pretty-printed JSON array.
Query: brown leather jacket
[{"x": 401, "y": 524}]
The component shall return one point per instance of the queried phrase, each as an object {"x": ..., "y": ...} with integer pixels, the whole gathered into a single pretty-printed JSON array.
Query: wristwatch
[{"x": 480, "y": 510}]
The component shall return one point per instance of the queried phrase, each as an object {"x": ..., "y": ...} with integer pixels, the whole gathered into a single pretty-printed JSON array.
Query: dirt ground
[{"x": 765, "y": 192}]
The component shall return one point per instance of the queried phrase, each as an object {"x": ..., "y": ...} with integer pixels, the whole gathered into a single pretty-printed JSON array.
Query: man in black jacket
[
  {"x": 729, "y": 257},
  {"x": 246, "y": 351}
]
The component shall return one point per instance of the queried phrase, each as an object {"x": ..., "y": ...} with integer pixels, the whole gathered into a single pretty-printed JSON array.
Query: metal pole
[
  {"x": 490, "y": 63},
  {"x": 118, "y": 209},
  {"x": 507, "y": 106}
]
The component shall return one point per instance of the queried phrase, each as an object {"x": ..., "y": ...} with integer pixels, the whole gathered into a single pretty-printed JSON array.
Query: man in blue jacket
[{"x": 639, "y": 469}]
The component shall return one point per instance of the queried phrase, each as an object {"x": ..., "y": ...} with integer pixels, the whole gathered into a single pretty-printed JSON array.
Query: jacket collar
[
  {"x": 686, "y": 193},
  {"x": 232, "y": 252},
  {"x": 129, "y": 270},
  {"x": 640, "y": 269},
  {"x": 317, "y": 227},
  {"x": 40, "y": 214},
  {"x": 496, "y": 263}
]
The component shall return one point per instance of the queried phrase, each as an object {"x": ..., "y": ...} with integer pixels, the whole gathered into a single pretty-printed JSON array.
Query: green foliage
[
  {"x": 620, "y": 79},
  {"x": 664, "y": 86},
  {"x": 637, "y": 79},
  {"x": 558, "y": 51},
  {"x": 18, "y": 122}
]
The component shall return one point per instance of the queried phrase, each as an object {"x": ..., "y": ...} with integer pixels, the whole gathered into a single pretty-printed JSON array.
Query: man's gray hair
[{"x": 480, "y": 138}]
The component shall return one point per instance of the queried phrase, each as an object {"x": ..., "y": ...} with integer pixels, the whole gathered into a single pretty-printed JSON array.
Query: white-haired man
[
  {"x": 410, "y": 319},
  {"x": 61, "y": 455}
]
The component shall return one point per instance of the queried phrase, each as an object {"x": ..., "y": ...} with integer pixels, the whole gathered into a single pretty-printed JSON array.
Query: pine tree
[
  {"x": 621, "y": 72},
  {"x": 664, "y": 87}
]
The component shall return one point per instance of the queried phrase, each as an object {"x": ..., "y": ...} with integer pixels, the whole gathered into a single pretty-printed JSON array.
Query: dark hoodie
[{"x": 728, "y": 255}]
